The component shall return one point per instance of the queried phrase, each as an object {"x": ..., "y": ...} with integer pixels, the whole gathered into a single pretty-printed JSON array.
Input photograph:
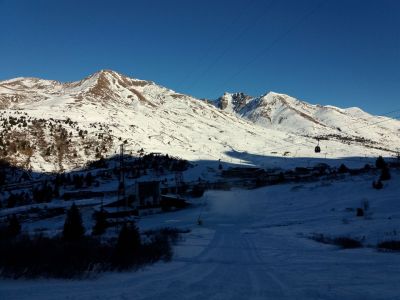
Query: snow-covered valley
[{"x": 255, "y": 244}]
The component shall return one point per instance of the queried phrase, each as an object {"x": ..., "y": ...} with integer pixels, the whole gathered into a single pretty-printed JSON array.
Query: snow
[
  {"x": 280, "y": 111},
  {"x": 269, "y": 128},
  {"x": 254, "y": 244}
]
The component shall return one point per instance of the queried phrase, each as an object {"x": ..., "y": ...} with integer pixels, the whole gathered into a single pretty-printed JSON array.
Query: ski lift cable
[
  {"x": 369, "y": 125},
  {"x": 230, "y": 45},
  {"x": 380, "y": 115},
  {"x": 295, "y": 25},
  {"x": 220, "y": 37},
  {"x": 370, "y": 118},
  {"x": 379, "y": 122},
  {"x": 291, "y": 145}
]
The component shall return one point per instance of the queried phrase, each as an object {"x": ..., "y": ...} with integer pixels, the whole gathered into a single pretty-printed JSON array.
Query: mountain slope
[
  {"x": 285, "y": 113},
  {"x": 52, "y": 126}
]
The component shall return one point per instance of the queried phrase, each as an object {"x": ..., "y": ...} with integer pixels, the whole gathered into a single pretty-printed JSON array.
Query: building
[{"x": 148, "y": 193}]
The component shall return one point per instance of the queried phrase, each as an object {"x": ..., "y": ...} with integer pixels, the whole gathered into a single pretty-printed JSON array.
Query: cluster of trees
[
  {"x": 3, "y": 177},
  {"x": 74, "y": 254},
  {"x": 98, "y": 164},
  {"x": 24, "y": 135},
  {"x": 158, "y": 163},
  {"x": 17, "y": 199},
  {"x": 48, "y": 190},
  {"x": 45, "y": 193},
  {"x": 42, "y": 194},
  {"x": 11, "y": 140},
  {"x": 20, "y": 121},
  {"x": 4, "y": 167},
  {"x": 11, "y": 228},
  {"x": 77, "y": 180}
]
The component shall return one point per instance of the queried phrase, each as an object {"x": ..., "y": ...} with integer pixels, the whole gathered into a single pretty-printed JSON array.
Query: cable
[
  {"x": 220, "y": 37},
  {"x": 390, "y": 112},
  {"x": 292, "y": 145},
  {"x": 291, "y": 28},
  {"x": 373, "y": 124},
  {"x": 371, "y": 117},
  {"x": 302, "y": 143},
  {"x": 379, "y": 122},
  {"x": 230, "y": 45}
]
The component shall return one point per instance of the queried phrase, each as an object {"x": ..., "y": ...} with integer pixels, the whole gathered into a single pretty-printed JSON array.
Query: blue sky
[{"x": 339, "y": 52}]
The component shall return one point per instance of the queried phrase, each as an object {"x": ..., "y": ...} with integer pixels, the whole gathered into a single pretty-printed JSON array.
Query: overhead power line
[
  {"x": 370, "y": 118},
  {"x": 292, "y": 145},
  {"x": 275, "y": 41},
  {"x": 220, "y": 37},
  {"x": 230, "y": 45},
  {"x": 379, "y": 122}
]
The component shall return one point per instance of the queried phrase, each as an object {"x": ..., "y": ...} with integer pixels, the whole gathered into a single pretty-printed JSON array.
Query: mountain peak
[
  {"x": 103, "y": 74},
  {"x": 233, "y": 102},
  {"x": 274, "y": 96},
  {"x": 112, "y": 107},
  {"x": 108, "y": 72}
]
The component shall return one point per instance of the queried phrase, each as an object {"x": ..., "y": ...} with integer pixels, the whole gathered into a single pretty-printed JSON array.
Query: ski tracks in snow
[{"x": 230, "y": 267}]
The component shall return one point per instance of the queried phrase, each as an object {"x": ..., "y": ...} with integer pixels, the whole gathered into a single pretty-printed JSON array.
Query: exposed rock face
[{"x": 233, "y": 102}]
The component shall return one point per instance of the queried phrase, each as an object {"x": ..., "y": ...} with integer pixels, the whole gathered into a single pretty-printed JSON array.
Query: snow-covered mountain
[
  {"x": 50, "y": 126},
  {"x": 285, "y": 113}
]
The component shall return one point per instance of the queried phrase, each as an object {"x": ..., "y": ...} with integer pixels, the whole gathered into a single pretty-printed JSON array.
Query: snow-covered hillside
[
  {"x": 255, "y": 244},
  {"x": 285, "y": 113},
  {"x": 52, "y": 126}
]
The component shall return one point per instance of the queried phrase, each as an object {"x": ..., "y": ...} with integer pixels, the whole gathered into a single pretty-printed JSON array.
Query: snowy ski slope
[{"x": 254, "y": 244}]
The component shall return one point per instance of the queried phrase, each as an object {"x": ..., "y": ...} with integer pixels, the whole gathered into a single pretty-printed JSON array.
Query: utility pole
[
  {"x": 178, "y": 181},
  {"x": 121, "y": 181}
]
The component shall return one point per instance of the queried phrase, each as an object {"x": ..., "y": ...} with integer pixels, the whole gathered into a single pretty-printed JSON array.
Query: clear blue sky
[{"x": 343, "y": 52}]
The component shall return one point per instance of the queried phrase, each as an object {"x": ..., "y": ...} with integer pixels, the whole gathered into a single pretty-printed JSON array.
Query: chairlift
[{"x": 317, "y": 148}]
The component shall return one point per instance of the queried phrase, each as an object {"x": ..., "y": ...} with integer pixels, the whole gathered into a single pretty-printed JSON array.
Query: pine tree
[
  {"x": 78, "y": 181},
  {"x": 89, "y": 179},
  {"x": 385, "y": 174},
  {"x": 128, "y": 244},
  {"x": 14, "y": 227},
  {"x": 56, "y": 191},
  {"x": 73, "y": 226},
  {"x": 343, "y": 169},
  {"x": 380, "y": 163},
  {"x": 101, "y": 223},
  {"x": 2, "y": 178}
]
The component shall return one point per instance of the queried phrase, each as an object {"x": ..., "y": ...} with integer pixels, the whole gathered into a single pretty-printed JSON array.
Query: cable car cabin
[{"x": 317, "y": 149}]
